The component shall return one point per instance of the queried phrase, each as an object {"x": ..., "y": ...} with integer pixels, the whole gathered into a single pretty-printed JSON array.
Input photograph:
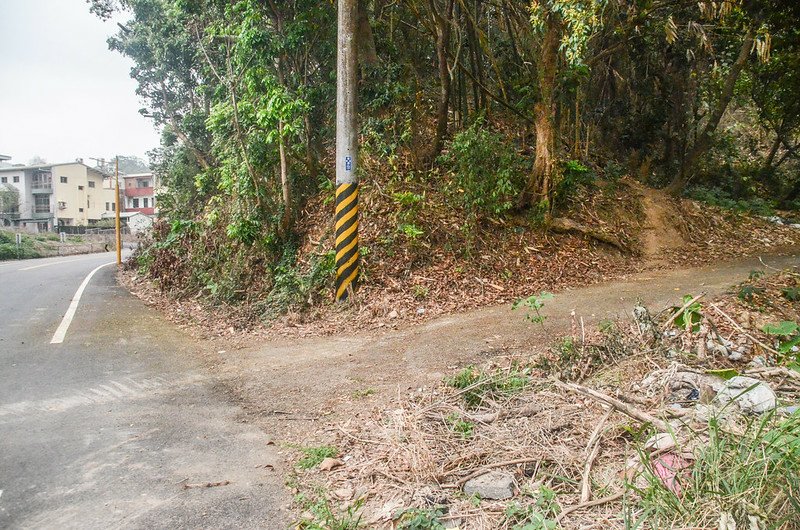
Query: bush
[
  {"x": 487, "y": 172},
  {"x": 716, "y": 196}
]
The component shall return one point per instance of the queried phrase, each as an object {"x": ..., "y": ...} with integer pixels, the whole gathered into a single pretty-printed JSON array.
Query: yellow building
[{"x": 52, "y": 195}]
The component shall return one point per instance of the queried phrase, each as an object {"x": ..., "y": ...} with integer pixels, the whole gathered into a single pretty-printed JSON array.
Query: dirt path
[{"x": 296, "y": 385}]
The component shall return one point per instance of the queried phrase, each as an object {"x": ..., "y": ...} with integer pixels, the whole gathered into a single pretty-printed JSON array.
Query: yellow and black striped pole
[
  {"x": 346, "y": 151},
  {"x": 346, "y": 238}
]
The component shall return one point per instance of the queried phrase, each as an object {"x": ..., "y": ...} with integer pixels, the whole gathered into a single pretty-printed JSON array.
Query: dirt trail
[
  {"x": 660, "y": 230},
  {"x": 292, "y": 383}
]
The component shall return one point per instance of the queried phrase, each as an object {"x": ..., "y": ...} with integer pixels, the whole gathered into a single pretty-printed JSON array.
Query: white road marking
[
  {"x": 139, "y": 388},
  {"x": 61, "y": 332}
]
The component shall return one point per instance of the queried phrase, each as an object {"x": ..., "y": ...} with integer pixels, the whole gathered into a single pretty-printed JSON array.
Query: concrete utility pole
[
  {"x": 116, "y": 208},
  {"x": 346, "y": 151}
]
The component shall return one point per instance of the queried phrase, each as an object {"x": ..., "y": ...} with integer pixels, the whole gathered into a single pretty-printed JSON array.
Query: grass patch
[
  {"x": 750, "y": 476},
  {"x": 320, "y": 515},
  {"x": 479, "y": 385},
  {"x": 313, "y": 456}
]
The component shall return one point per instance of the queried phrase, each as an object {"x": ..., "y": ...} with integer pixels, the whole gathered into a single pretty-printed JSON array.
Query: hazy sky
[{"x": 63, "y": 93}]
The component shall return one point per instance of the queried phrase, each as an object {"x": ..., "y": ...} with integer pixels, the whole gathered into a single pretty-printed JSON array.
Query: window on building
[
  {"x": 113, "y": 207},
  {"x": 108, "y": 206},
  {"x": 91, "y": 184},
  {"x": 63, "y": 180},
  {"x": 62, "y": 205},
  {"x": 80, "y": 209},
  {"x": 41, "y": 204},
  {"x": 143, "y": 183},
  {"x": 80, "y": 188},
  {"x": 136, "y": 203},
  {"x": 4, "y": 180},
  {"x": 145, "y": 202},
  {"x": 16, "y": 178}
]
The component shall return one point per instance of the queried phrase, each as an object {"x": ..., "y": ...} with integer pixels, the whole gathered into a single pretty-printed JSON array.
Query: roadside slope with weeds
[{"x": 641, "y": 423}]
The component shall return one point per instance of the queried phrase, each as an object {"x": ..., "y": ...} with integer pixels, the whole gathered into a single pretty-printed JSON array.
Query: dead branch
[
  {"x": 683, "y": 308},
  {"x": 206, "y": 484},
  {"x": 590, "y": 504},
  {"x": 743, "y": 332},
  {"x": 564, "y": 225},
  {"x": 626, "y": 409},
  {"x": 594, "y": 447}
]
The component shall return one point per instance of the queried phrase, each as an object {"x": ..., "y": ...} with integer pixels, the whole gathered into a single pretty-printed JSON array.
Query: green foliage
[
  {"x": 540, "y": 515},
  {"x": 460, "y": 426},
  {"x": 758, "y": 463},
  {"x": 534, "y": 303},
  {"x": 478, "y": 385},
  {"x": 721, "y": 198},
  {"x": 791, "y": 293},
  {"x": 574, "y": 177},
  {"x": 313, "y": 456},
  {"x": 689, "y": 317},
  {"x": 487, "y": 173},
  {"x": 747, "y": 293},
  {"x": 411, "y": 231},
  {"x": 324, "y": 517},
  {"x": 788, "y": 334},
  {"x": 420, "y": 519}
]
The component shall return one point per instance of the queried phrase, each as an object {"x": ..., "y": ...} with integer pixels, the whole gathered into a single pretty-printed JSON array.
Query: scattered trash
[{"x": 751, "y": 395}]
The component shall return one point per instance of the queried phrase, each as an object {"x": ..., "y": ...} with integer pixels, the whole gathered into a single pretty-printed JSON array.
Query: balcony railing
[
  {"x": 138, "y": 192},
  {"x": 146, "y": 211},
  {"x": 41, "y": 188}
]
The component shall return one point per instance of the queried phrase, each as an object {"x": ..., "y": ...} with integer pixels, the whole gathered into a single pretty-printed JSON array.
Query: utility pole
[
  {"x": 346, "y": 150},
  {"x": 116, "y": 208}
]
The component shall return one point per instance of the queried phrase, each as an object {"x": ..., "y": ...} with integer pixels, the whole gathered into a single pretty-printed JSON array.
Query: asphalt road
[{"x": 106, "y": 428}]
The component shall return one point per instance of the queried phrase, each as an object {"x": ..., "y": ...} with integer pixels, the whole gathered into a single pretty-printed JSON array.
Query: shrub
[{"x": 487, "y": 171}]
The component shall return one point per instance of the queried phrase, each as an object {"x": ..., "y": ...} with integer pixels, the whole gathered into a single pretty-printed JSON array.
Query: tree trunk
[
  {"x": 540, "y": 183},
  {"x": 703, "y": 143},
  {"x": 367, "y": 55},
  {"x": 443, "y": 21}
]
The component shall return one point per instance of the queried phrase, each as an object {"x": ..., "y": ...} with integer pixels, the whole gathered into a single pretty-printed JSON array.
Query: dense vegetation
[{"x": 500, "y": 106}]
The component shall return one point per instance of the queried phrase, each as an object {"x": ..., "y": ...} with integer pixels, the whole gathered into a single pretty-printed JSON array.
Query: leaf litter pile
[{"x": 684, "y": 418}]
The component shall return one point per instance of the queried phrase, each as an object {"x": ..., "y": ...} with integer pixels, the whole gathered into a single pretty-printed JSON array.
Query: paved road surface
[{"x": 102, "y": 430}]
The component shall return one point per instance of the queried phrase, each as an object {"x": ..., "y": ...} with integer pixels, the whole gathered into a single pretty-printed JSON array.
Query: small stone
[
  {"x": 735, "y": 355},
  {"x": 751, "y": 395},
  {"x": 495, "y": 485},
  {"x": 421, "y": 311},
  {"x": 393, "y": 314}
]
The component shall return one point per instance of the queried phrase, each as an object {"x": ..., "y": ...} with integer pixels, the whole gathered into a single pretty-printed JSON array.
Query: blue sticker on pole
[{"x": 348, "y": 163}]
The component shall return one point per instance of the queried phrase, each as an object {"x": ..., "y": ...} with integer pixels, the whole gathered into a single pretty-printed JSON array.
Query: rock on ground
[{"x": 492, "y": 485}]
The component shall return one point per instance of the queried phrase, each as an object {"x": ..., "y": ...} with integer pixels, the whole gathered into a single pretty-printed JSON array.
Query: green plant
[
  {"x": 363, "y": 392},
  {"x": 788, "y": 337},
  {"x": 407, "y": 198},
  {"x": 690, "y": 317},
  {"x": 487, "y": 172},
  {"x": 420, "y": 292},
  {"x": 478, "y": 385},
  {"x": 751, "y": 474},
  {"x": 534, "y": 303},
  {"x": 321, "y": 516},
  {"x": 541, "y": 515},
  {"x": 411, "y": 231},
  {"x": 791, "y": 293},
  {"x": 574, "y": 176},
  {"x": 419, "y": 519},
  {"x": 313, "y": 456},
  {"x": 747, "y": 293},
  {"x": 460, "y": 426}
]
